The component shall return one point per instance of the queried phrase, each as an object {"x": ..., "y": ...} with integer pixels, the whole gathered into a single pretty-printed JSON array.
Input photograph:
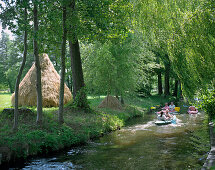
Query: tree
[
  {"x": 175, "y": 92},
  {"x": 193, "y": 46},
  {"x": 37, "y": 63},
  {"x": 15, "y": 125},
  {"x": 4, "y": 59},
  {"x": 167, "y": 76},
  {"x": 93, "y": 19},
  {"x": 63, "y": 51},
  {"x": 117, "y": 67}
]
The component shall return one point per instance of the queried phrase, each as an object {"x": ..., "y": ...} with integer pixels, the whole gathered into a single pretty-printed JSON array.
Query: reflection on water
[{"x": 140, "y": 145}]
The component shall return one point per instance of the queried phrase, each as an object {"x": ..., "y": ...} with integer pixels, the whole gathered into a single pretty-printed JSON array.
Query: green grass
[
  {"x": 148, "y": 102},
  {"x": 5, "y": 100},
  {"x": 94, "y": 101}
]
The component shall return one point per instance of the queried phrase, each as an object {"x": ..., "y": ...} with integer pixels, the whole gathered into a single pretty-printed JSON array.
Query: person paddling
[
  {"x": 162, "y": 117},
  {"x": 166, "y": 107},
  {"x": 172, "y": 107},
  {"x": 192, "y": 110},
  {"x": 168, "y": 116}
]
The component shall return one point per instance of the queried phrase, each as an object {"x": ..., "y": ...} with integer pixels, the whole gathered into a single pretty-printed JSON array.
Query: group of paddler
[
  {"x": 167, "y": 113},
  {"x": 192, "y": 110}
]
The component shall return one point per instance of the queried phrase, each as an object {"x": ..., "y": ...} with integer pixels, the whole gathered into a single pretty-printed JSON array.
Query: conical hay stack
[
  {"x": 111, "y": 102},
  {"x": 50, "y": 86}
]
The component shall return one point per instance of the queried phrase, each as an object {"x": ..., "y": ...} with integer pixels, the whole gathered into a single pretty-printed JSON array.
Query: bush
[{"x": 208, "y": 103}]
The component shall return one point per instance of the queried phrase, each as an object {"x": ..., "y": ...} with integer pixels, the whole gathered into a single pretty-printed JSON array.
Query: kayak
[
  {"x": 192, "y": 112},
  {"x": 161, "y": 122},
  {"x": 174, "y": 113}
]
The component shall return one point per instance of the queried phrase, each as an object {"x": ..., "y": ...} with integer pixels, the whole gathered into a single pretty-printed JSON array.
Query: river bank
[
  {"x": 79, "y": 127},
  {"x": 140, "y": 144}
]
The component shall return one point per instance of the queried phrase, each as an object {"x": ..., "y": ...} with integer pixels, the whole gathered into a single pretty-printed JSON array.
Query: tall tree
[
  {"x": 118, "y": 66},
  {"x": 160, "y": 86},
  {"x": 63, "y": 52},
  {"x": 184, "y": 29},
  {"x": 76, "y": 64},
  {"x": 167, "y": 76},
  {"x": 4, "y": 45},
  {"x": 90, "y": 20},
  {"x": 175, "y": 92},
  {"x": 15, "y": 125},
  {"x": 37, "y": 63},
  {"x": 159, "y": 74}
]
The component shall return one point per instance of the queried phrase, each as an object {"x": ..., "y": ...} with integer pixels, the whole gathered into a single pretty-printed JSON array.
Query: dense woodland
[{"x": 112, "y": 47}]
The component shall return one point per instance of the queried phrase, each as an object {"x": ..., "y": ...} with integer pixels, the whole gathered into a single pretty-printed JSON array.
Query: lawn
[
  {"x": 94, "y": 101},
  {"x": 147, "y": 102},
  {"x": 5, "y": 100}
]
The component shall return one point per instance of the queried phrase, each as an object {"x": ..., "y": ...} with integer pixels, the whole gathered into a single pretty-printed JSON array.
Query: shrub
[{"x": 208, "y": 103}]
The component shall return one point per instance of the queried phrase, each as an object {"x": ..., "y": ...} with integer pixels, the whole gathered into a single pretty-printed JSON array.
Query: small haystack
[
  {"x": 50, "y": 86},
  {"x": 111, "y": 102}
]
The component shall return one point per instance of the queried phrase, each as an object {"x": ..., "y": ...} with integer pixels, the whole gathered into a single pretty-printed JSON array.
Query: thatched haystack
[
  {"x": 111, "y": 102},
  {"x": 50, "y": 86}
]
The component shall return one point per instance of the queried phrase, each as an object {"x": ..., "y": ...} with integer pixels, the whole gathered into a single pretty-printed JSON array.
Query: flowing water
[{"x": 139, "y": 145}]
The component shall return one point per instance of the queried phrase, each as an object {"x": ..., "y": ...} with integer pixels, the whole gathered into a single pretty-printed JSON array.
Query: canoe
[{"x": 160, "y": 122}]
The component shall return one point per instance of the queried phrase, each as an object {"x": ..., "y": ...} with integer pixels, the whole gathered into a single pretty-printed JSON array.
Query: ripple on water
[{"x": 44, "y": 164}]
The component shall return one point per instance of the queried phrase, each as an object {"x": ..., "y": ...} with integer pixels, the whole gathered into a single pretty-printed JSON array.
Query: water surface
[{"x": 139, "y": 145}]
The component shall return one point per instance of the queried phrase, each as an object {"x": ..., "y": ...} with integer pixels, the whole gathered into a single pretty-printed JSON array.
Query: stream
[{"x": 139, "y": 145}]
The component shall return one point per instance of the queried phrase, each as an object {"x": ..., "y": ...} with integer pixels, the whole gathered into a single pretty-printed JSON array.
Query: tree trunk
[
  {"x": 167, "y": 71},
  {"x": 62, "y": 77},
  {"x": 160, "y": 87},
  {"x": 15, "y": 125},
  {"x": 180, "y": 90},
  {"x": 77, "y": 73},
  {"x": 122, "y": 100},
  {"x": 37, "y": 64},
  {"x": 10, "y": 86},
  {"x": 69, "y": 82},
  {"x": 175, "y": 93},
  {"x": 117, "y": 96}
]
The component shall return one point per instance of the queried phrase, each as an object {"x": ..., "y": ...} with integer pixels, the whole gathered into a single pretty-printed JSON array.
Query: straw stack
[{"x": 50, "y": 86}]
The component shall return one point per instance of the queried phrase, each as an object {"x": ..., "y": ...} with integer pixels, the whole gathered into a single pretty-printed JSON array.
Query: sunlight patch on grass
[
  {"x": 94, "y": 101},
  {"x": 5, "y": 100}
]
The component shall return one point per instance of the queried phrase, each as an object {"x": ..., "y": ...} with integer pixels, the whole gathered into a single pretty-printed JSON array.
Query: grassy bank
[{"x": 79, "y": 127}]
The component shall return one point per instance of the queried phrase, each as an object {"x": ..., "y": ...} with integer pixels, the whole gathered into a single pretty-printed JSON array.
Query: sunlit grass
[
  {"x": 94, "y": 101},
  {"x": 148, "y": 102},
  {"x": 5, "y": 100}
]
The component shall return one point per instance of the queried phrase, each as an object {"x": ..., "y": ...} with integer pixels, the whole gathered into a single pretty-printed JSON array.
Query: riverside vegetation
[{"x": 79, "y": 126}]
